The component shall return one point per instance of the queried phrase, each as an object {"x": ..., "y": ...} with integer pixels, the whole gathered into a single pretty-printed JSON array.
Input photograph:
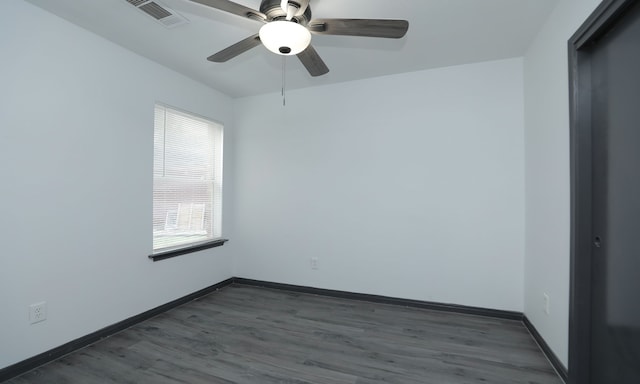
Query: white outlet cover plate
[{"x": 37, "y": 312}]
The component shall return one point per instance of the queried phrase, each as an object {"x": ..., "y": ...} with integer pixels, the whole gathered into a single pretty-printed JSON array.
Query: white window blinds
[{"x": 187, "y": 179}]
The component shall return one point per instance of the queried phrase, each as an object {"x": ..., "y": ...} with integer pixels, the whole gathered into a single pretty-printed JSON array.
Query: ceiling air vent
[
  {"x": 136, "y": 2},
  {"x": 165, "y": 16}
]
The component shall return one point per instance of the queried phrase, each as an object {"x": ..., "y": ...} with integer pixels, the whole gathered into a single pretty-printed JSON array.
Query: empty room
[{"x": 320, "y": 191}]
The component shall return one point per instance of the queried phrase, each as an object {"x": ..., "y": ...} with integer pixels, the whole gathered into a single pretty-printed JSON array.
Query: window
[{"x": 187, "y": 180}]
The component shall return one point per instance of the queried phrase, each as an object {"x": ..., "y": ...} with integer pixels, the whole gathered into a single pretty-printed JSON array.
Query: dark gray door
[{"x": 615, "y": 289}]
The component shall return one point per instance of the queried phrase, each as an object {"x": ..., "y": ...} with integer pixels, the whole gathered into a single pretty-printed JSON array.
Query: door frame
[{"x": 605, "y": 17}]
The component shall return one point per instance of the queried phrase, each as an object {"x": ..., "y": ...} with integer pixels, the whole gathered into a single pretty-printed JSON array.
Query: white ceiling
[{"x": 441, "y": 33}]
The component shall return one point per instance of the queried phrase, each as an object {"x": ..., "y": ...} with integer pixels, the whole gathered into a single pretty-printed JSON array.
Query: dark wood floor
[{"x": 244, "y": 334}]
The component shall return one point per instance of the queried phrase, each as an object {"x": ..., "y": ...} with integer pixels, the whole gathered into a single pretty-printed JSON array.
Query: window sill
[{"x": 186, "y": 250}]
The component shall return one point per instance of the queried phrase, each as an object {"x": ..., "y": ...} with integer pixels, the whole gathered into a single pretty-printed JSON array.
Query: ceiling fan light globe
[{"x": 285, "y": 37}]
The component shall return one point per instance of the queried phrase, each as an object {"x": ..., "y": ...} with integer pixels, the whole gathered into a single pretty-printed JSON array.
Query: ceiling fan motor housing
[{"x": 274, "y": 11}]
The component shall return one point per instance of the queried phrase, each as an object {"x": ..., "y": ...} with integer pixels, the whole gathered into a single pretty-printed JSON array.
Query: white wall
[
  {"x": 547, "y": 173},
  {"x": 76, "y": 142},
  {"x": 408, "y": 186}
]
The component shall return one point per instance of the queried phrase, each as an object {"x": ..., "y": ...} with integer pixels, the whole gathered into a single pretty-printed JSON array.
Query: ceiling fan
[{"x": 288, "y": 27}]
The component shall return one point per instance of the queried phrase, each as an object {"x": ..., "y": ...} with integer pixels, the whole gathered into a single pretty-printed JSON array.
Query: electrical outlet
[
  {"x": 314, "y": 263},
  {"x": 546, "y": 303},
  {"x": 37, "y": 312}
]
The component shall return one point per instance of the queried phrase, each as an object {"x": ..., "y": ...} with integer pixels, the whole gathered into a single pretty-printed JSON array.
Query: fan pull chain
[{"x": 284, "y": 84}]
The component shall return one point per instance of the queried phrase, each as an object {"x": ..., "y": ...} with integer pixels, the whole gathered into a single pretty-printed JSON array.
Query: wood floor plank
[{"x": 244, "y": 334}]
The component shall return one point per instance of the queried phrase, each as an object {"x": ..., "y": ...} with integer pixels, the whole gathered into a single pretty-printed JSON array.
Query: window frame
[
  {"x": 187, "y": 249},
  {"x": 217, "y": 183}
]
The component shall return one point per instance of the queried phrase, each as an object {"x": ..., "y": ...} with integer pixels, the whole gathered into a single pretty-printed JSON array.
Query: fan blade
[
  {"x": 393, "y": 29},
  {"x": 236, "y": 9},
  {"x": 236, "y": 49},
  {"x": 312, "y": 61}
]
